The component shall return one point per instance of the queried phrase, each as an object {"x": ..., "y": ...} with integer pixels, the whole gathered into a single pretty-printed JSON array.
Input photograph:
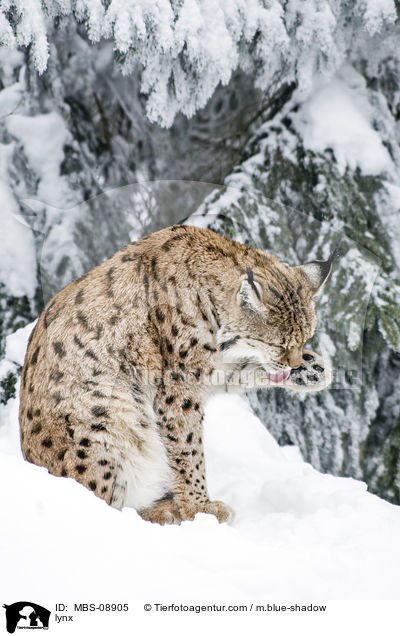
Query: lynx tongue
[{"x": 278, "y": 376}]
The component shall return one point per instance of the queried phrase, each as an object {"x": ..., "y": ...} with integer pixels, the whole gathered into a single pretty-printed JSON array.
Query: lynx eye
[{"x": 277, "y": 348}]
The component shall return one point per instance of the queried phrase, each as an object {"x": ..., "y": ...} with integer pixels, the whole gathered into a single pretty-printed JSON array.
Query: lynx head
[{"x": 273, "y": 316}]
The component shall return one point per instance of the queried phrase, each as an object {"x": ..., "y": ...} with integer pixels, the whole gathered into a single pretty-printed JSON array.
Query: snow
[
  {"x": 17, "y": 253},
  {"x": 40, "y": 139},
  {"x": 338, "y": 116},
  {"x": 390, "y": 214},
  {"x": 10, "y": 98},
  {"x": 17, "y": 343},
  {"x": 298, "y": 534},
  {"x": 187, "y": 48},
  {"x": 375, "y": 12},
  {"x": 43, "y": 138}
]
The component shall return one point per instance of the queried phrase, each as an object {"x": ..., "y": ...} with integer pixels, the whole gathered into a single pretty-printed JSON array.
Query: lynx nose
[{"x": 293, "y": 358}]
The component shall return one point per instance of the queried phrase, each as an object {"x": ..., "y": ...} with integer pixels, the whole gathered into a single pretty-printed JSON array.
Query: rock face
[{"x": 83, "y": 171}]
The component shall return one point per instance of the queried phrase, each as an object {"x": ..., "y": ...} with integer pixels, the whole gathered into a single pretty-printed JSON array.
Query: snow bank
[{"x": 298, "y": 534}]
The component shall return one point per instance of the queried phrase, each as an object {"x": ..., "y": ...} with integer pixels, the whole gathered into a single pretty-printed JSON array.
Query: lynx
[{"x": 122, "y": 360}]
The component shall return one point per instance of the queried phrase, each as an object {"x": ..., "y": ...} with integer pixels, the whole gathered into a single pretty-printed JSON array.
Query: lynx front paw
[
  {"x": 162, "y": 512},
  {"x": 222, "y": 511},
  {"x": 314, "y": 374}
]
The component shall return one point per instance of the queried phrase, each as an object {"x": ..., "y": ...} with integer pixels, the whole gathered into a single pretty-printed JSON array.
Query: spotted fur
[{"x": 121, "y": 361}]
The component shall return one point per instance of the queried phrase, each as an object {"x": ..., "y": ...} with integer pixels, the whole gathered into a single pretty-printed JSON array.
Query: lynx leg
[
  {"x": 181, "y": 428},
  {"x": 68, "y": 450}
]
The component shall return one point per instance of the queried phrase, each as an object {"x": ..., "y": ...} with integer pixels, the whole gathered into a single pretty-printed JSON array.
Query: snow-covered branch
[{"x": 185, "y": 48}]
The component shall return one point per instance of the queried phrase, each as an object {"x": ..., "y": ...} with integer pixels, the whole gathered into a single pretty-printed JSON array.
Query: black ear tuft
[
  {"x": 326, "y": 266},
  {"x": 250, "y": 278}
]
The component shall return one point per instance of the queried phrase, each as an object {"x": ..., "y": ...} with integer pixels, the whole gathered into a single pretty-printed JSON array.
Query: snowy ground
[{"x": 298, "y": 534}]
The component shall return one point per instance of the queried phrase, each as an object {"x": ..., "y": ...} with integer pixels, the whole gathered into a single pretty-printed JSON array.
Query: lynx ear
[
  {"x": 250, "y": 293},
  {"x": 317, "y": 272}
]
